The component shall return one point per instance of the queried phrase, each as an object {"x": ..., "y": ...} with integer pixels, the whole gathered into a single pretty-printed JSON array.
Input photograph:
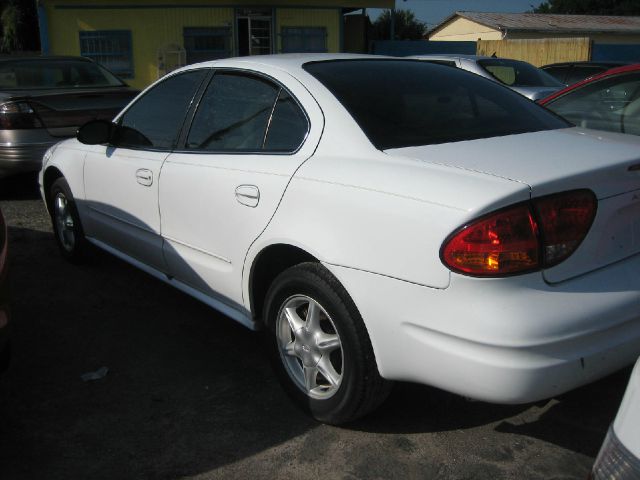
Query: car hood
[{"x": 547, "y": 161}]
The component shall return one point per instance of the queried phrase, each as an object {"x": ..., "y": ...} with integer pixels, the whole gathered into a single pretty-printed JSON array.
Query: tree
[
  {"x": 18, "y": 26},
  {"x": 11, "y": 22},
  {"x": 407, "y": 26},
  {"x": 590, "y": 7}
]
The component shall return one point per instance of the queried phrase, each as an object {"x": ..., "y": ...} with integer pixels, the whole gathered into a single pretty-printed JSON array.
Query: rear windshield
[
  {"x": 51, "y": 74},
  {"x": 518, "y": 74},
  {"x": 403, "y": 103}
]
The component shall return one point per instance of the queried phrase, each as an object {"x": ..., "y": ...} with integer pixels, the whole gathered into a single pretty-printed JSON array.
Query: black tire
[
  {"x": 66, "y": 222},
  {"x": 5, "y": 358},
  {"x": 360, "y": 388}
]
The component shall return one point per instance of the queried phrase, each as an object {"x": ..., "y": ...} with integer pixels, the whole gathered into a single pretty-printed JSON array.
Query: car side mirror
[{"x": 95, "y": 132}]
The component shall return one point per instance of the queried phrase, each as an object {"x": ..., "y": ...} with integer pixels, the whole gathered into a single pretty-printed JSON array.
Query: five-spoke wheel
[
  {"x": 66, "y": 222},
  {"x": 310, "y": 346},
  {"x": 320, "y": 347}
]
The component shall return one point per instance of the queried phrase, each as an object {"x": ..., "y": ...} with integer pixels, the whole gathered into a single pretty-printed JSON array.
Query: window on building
[
  {"x": 304, "y": 39},
  {"x": 110, "y": 48},
  {"x": 207, "y": 43}
]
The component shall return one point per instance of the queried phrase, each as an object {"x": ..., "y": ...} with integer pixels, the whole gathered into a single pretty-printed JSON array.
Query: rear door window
[{"x": 240, "y": 112}]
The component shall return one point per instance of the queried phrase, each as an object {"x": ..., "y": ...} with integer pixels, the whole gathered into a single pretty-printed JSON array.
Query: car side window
[
  {"x": 288, "y": 126},
  {"x": 608, "y": 104},
  {"x": 233, "y": 114},
  {"x": 246, "y": 113},
  {"x": 154, "y": 121}
]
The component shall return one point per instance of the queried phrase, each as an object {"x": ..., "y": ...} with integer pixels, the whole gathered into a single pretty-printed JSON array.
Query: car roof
[
  {"x": 286, "y": 61},
  {"x": 450, "y": 56},
  {"x": 608, "y": 73}
]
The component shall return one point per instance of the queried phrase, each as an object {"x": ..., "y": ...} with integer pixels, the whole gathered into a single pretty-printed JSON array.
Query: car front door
[
  {"x": 121, "y": 179},
  {"x": 248, "y": 137}
]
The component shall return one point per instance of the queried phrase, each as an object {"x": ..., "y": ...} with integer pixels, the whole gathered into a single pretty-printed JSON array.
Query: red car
[
  {"x": 4, "y": 299},
  {"x": 609, "y": 101}
]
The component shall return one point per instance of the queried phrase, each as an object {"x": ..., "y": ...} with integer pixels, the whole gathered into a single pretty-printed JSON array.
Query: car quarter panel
[{"x": 382, "y": 214}]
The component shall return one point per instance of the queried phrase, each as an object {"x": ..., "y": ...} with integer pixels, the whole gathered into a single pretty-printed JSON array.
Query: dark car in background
[
  {"x": 574, "y": 72},
  {"x": 609, "y": 101},
  {"x": 45, "y": 99},
  {"x": 5, "y": 352}
]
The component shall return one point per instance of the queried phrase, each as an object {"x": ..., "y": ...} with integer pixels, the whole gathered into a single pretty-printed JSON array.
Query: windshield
[
  {"x": 518, "y": 74},
  {"x": 51, "y": 74},
  {"x": 403, "y": 103}
]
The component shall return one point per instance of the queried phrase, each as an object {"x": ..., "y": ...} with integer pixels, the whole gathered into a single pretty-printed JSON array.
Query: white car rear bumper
[{"x": 512, "y": 340}]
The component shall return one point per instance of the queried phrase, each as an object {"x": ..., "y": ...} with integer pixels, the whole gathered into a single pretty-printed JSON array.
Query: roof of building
[{"x": 549, "y": 23}]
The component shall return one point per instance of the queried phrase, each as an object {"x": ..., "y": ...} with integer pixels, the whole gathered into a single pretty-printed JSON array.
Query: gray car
[
  {"x": 45, "y": 99},
  {"x": 520, "y": 76}
]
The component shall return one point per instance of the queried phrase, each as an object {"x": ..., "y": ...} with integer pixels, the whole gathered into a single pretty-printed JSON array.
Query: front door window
[{"x": 254, "y": 31}]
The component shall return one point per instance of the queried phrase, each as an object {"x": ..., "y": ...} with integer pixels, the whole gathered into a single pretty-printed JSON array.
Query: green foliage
[
  {"x": 590, "y": 7},
  {"x": 10, "y": 22},
  {"x": 407, "y": 26}
]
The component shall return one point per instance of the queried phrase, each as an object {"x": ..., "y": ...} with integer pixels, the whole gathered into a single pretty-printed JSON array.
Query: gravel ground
[{"x": 189, "y": 394}]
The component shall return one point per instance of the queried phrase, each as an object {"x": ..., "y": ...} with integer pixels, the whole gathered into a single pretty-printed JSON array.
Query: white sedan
[{"x": 382, "y": 219}]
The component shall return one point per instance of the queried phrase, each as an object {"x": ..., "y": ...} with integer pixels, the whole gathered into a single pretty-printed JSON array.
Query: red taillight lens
[
  {"x": 522, "y": 238},
  {"x": 564, "y": 221},
  {"x": 18, "y": 115},
  {"x": 502, "y": 243}
]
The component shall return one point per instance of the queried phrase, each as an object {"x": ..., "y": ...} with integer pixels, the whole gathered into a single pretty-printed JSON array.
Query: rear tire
[
  {"x": 5, "y": 358},
  {"x": 66, "y": 222},
  {"x": 320, "y": 347}
]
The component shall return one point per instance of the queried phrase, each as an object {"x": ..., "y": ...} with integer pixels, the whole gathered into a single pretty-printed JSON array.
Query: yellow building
[
  {"x": 473, "y": 26},
  {"x": 141, "y": 40}
]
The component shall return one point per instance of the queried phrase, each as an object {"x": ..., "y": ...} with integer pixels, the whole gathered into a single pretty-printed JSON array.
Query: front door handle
[
  {"x": 144, "y": 177},
  {"x": 248, "y": 195}
]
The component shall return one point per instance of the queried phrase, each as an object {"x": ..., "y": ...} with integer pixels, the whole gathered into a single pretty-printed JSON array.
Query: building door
[{"x": 255, "y": 35}]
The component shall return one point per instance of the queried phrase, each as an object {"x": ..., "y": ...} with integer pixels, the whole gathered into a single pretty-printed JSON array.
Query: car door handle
[
  {"x": 144, "y": 177},
  {"x": 248, "y": 195}
]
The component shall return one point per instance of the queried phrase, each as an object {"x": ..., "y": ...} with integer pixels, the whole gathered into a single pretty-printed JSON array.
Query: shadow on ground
[
  {"x": 20, "y": 187},
  {"x": 188, "y": 390}
]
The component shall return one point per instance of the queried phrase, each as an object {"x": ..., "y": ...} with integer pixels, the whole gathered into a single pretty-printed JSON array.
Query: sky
[{"x": 434, "y": 11}]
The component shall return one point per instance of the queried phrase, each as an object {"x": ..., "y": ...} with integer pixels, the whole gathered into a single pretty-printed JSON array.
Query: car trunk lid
[
  {"x": 561, "y": 160},
  {"x": 62, "y": 111}
]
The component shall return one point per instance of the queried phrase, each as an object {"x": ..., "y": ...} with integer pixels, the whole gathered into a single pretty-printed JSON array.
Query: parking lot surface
[{"x": 189, "y": 393}]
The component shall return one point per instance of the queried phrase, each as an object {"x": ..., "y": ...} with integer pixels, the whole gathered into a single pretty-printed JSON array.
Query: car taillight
[
  {"x": 615, "y": 461},
  {"x": 18, "y": 115},
  {"x": 521, "y": 238}
]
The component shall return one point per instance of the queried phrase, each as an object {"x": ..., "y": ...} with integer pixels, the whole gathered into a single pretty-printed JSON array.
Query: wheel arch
[
  {"x": 51, "y": 174},
  {"x": 267, "y": 265}
]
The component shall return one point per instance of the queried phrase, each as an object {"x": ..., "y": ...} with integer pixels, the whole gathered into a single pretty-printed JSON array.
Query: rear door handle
[
  {"x": 248, "y": 195},
  {"x": 144, "y": 177}
]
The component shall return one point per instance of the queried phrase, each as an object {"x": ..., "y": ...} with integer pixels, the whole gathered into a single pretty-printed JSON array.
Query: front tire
[
  {"x": 319, "y": 346},
  {"x": 66, "y": 222}
]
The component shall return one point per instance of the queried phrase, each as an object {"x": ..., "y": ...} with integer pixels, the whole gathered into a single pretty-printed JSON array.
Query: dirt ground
[{"x": 190, "y": 394}]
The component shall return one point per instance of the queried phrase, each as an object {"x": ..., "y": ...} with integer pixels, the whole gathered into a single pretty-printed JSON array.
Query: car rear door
[
  {"x": 249, "y": 135},
  {"x": 121, "y": 179}
]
